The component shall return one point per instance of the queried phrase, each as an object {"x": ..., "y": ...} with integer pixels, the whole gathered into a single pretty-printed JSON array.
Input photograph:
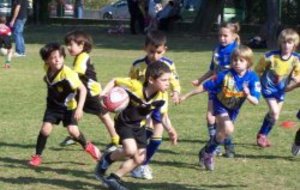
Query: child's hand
[
  {"x": 173, "y": 136},
  {"x": 78, "y": 114},
  {"x": 175, "y": 97},
  {"x": 195, "y": 82},
  {"x": 246, "y": 89},
  {"x": 182, "y": 98}
]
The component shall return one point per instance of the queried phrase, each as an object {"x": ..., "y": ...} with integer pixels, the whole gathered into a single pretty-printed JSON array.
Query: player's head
[
  {"x": 53, "y": 54},
  {"x": 2, "y": 20},
  {"x": 78, "y": 41},
  {"x": 158, "y": 76},
  {"x": 242, "y": 58},
  {"x": 155, "y": 45},
  {"x": 288, "y": 40},
  {"x": 228, "y": 33}
]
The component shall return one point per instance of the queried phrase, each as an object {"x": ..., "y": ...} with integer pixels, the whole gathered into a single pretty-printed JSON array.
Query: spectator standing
[
  {"x": 136, "y": 16},
  {"x": 17, "y": 22},
  {"x": 78, "y": 12}
]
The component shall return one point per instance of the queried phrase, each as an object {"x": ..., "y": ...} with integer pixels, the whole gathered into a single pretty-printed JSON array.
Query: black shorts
[
  {"x": 136, "y": 133},
  {"x": 5, "y": 42},
  {"x": 93, "y": 106},
  {"x": 56, "y": 115}
]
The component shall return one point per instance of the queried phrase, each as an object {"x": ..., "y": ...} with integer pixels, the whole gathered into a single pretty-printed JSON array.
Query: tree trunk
[
  {"x": 40, "y": 11},
  {"x": 207, "y": 15}
]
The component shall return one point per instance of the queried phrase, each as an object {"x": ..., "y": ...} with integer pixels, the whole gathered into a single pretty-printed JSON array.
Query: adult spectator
[
  {"x": 78, "y": 12},
  {"x": 17, "y": 22},
  {"x": 136, "y": 16}
]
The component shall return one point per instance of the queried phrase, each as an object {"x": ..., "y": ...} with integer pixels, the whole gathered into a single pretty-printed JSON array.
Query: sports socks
[
  {"x": 211, "y": 130},
  {"x": 267, "y": 125},
  {"x": 41, "y": 143},
  {"x": 152, "y": 147},
  {"x": 211, "y": 145},
  {"x": 297, "y": 138},
  {"x": 228, "y": 141},
  {"x": 81, "y": 140}
]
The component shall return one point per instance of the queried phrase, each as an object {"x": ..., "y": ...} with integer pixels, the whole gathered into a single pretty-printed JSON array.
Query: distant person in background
[
  {"x": 5, "y": 42},
  {"x": 78, "y": 9},
  {"x": 136, "y": 16},
  {"x": 17, "y": 22}
]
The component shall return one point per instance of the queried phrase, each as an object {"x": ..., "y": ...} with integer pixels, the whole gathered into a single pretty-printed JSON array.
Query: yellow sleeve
[
  {"x": 164, "y": 108},
  {"x": 296, "y": 70},
  {"x": 74, "y": 80},
  {"x": 80, "y": 63},
  {"x": 129, "y": 83},
  {"x": 174, "y": 80},
  {"x": 261, "y": 66}
]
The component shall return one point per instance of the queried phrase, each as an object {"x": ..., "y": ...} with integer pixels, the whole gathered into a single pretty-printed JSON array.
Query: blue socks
[
  {"x": 152, "y": 147},
  {"x": 211, "y": 145},
  {"x": 211, "y": 130},
  {"x": 267, "y": 125}
]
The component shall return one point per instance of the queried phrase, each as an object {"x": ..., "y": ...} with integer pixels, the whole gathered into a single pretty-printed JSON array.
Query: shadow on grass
[
  {"x": 165, "y": 186},
  {"x": 15, "y": 163},
  {"x": 71, "y": 184},
  {"x": 268, "y": 157},
  {"x": 4, "y": 144},
  {"x": 177, "y": 164}
]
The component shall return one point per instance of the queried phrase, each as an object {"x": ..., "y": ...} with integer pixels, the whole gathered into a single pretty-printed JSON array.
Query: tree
[{"x": 207, "y": 15}]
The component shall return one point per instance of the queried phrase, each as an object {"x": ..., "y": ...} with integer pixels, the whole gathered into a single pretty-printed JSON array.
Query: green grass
[{"x": 22, "y": 103}]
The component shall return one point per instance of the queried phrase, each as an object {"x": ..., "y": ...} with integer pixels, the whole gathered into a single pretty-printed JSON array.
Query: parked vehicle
[
  {"x": 68, "y": 8},
  {"x": 116, "y": 10},
  {"x": 5, "y": 7}
]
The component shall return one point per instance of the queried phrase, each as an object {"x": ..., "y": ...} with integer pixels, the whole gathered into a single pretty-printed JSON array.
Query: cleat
[
  {"x": 142, "y": 172},
  {"x": 295, "y": 150},
  {"x": 101, "y": 167},
  {"x": 113, "y": 183},
  {"x": 229, "y": 151},
  {"x": 68, "y": 141},
  {"x": 218, "y": 151},
  {"x": 93, "y": 151},
  {"x": 35, "y": 161},
  {"x": 206, "y": 160},
  {"x": 262, "y": 141}
]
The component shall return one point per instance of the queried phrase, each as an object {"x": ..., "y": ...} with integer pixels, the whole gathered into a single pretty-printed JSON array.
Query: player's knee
[{"x": 130, "y": 152}]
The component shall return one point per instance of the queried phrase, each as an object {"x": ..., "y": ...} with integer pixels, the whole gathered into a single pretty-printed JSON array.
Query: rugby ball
[{"x": 116, "y": 99}]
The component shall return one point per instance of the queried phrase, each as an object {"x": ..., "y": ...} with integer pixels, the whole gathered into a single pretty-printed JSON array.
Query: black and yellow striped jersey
[
  {"x": 86, "y": 71},
  {"x": 140, "y": 106},
  {"x": 62, "y": 88}
]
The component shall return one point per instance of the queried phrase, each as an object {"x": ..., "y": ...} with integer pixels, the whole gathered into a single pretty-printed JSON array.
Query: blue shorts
[
  {"x": 278, "y": 95},
  {"x": 219, "y": 109}
]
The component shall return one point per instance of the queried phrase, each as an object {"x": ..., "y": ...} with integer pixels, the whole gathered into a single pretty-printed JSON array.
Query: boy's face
[
  {"x": 287, "y": 47},
  {"x": 74, "y": 48},
  {"x": 226, "y": 36},
  {"x": 55, "y": 61},
  {"x": 239, "y": 64},
  {"x": 161, "y": 83},
  {"x": 155, "y": 53}
]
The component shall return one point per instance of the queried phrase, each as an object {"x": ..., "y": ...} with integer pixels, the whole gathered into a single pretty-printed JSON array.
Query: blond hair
[
  {"x": 288, "y": 35},
  {"x": 234, "y": 27},
  {"x": 243, "y": 52}
]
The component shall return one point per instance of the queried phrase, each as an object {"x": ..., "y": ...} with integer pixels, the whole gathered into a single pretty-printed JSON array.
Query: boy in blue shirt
[{"x": 232, "y": 88}]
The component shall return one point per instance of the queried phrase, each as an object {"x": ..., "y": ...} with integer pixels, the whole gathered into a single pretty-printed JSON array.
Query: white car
[{"x": 116, "y": 10}]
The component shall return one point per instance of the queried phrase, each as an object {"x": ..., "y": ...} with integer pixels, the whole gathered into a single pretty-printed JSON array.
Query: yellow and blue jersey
[
  {"x": 275, "y": 73},
  {"x": 138, "y": 71},
  {"x": 228, "y": 86},
  {"x": 62, "y": 88},
  {"x": 221, "y": 57},
  {"x": 86, "y": 71},
  {"x": 140, "y": 106}
]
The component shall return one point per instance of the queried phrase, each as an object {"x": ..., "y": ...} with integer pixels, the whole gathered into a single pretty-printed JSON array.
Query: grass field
[{"x": 22, "y": 104}]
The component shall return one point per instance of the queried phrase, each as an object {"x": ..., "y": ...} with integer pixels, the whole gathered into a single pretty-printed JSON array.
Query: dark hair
[
  {"x": 155, "y": 38},
  {"x": 155, "y": 70},
  {"x": 80, "y": 37},
  {"x": 46, "y": 51}
]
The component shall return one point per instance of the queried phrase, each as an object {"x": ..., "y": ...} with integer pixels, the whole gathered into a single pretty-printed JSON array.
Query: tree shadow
[
  {"x": 268, "y": 157},
  {"x": 70, "y": 184},
  {"x": 15, "y": 145}
]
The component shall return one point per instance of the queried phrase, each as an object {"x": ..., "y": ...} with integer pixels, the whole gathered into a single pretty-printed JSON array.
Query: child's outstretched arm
[
  {"x": 82, "y": 96},
  {"x": 198, "y": 90},
  {"x": 201, "y": 79},
  {"x": 252, "y": 99},
  {"x": 107, "y": 88},
  {"x": 292, "y": 85}
]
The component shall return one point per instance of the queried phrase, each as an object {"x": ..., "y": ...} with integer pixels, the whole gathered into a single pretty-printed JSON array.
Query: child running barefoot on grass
[
  {"x": 63, "y": 84},
  {"x": 232, "y": 88}
]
